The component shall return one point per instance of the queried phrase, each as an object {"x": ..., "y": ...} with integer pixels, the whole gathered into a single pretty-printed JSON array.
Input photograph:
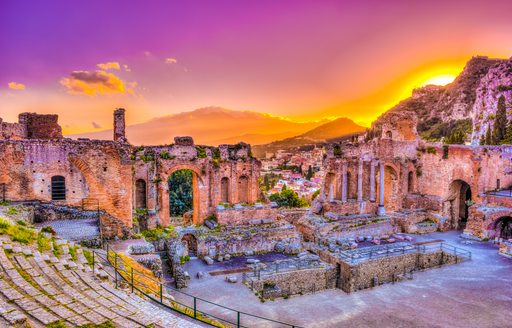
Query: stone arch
[
  {"x": 243, "y": 189},
  {"x": 458, "y": 202},
  {"x": 224, "y": 190},
  {"x": 199, "y": 197},
  {"x": 503, "y": 227},
  {"x": 140, "y": 194},
  {"x": 190, "y": 242},
  {"x": 58, "y": 187}
]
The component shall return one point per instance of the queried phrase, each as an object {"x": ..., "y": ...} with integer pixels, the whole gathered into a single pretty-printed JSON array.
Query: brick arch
[
  {"x": 455, "y": 202},
  {"x": 109, "y": 200},
  {"x": 197, "y": 199},
  {"x": 492, "y": 219}
]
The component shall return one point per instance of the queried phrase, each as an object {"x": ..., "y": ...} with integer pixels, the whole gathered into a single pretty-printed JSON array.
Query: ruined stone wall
[
  {"x": 385, "y": 270},
  {"x": 97, "y": 171},
  {"x": 39, "y": 126},
  {"x": 12, "y": 131},
  {"x": 247, "y": 216},
  {"x": 296, "y": 282},
  {"x": 156, "y": 164}
]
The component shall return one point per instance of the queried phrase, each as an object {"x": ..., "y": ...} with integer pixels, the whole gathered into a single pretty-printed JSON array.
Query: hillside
[
  {"x": 468, "y": 104},
  {"x": 210, "y": 125},
  {"x": 338, "y": 128}
]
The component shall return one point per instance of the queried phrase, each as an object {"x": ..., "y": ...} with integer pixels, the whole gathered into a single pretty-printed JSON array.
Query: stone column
[
  {"x": 344, "y": 183},
  {"x": 372, "y": 182},
  {"x": 119, "y": 125},
  {"x": 360, "y": 181},
  {"x": 381, "y": 210}
]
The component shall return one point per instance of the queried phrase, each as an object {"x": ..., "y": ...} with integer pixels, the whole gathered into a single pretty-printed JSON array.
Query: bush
[
  {"x": 288, "y": 198},
  {"x": 158, "y": 233}
]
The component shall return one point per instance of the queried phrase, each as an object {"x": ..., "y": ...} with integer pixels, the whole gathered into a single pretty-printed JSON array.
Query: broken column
[
  {"x": 360, "y": 181},
  {"x": 344, "y": 183},
  {"x": 372, "y": 182},
  {"x": 119, "y": 125}
]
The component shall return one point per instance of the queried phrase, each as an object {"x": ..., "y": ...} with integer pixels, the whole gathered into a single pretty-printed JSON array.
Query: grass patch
[
  {"x": 158, "y": 233},
  {"x": 17, "y": 232},
  {"x": 88, "y": 256},
  {"x": 72, "y": 252},
  {"x": 43, "y": 244}
]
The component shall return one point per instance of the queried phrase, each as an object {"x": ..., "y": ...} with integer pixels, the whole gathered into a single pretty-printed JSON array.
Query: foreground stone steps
[{"x": 42, "y": 289}]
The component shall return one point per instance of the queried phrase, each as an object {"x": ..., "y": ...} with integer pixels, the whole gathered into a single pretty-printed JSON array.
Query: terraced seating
[{"x": 39, "y": 289}]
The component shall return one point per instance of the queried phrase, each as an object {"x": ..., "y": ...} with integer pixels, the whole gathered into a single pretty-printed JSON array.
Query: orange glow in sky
[{"x": 302, "y": 60}]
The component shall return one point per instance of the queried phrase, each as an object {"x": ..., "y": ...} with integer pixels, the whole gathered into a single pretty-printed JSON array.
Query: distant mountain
[
  {"x": 339, "y": 128},
  {"x": 210, "y": 126},
  {"x": 468, "y": 104}
]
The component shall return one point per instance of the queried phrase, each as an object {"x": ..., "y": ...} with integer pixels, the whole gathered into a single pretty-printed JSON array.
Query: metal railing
[
  {"x": 391, "y": 250},
  {"x": 195, "y": 307},
  {"x": 500, "y": 193}
]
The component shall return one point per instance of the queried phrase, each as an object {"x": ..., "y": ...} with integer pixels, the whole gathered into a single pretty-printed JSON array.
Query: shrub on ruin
[
  {"x": 12, "y": 210},
  {"x": 201, "y": 152},
  {"x": 21, "y": 234},
  {"x": 48, "y": 229},
  {"x": 288, "y": 198}
]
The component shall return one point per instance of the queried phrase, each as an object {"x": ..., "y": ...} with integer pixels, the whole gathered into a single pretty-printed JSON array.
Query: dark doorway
[
  {"x": 224, "y": 190},
  {"x": 190, "y": 241},
  {"x": 503, "y": 227},
  {"x": 140, "y": 194},
  {"x": 58, "y": 188}
]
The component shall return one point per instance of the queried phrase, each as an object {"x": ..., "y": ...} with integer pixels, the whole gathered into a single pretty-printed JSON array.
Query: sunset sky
[{"x": 304, "y": 60}]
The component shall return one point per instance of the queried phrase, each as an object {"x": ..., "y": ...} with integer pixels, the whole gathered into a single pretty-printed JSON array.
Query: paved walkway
[
  {"x": 75, "y": 230},
  {"x": 476, "y": 293}
]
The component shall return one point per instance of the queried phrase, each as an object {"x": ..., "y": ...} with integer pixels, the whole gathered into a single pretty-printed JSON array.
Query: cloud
[
  {"x": 147, "y": 53},
  {"x": 96, "y": 125},
  {"x": 16, "y": 86},
  {"x": 109, "y": 65},
  {"x": 170, "y": 60},
  {"x": 91, "y": 83},
  {"x": 126, "y": 68}
]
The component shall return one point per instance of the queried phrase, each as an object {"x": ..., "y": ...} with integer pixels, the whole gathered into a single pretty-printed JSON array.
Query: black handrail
[{"x": 159, "y": 296}]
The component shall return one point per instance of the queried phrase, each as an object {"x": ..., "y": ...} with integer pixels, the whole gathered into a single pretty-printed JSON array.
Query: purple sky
[{"x": 300, "y": 59}]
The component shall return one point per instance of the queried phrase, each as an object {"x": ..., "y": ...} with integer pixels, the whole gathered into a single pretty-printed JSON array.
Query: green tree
[
  {"x": 288, "y": 198},
  {"x": 180, "y": 192},
  {"x": 507, "y": 140},
  {"x": 500, "y": 121},
  {"x": 456, "y": 138},
  {"x": 488, "y": 136},
  {"x": 310, "y": 173}
]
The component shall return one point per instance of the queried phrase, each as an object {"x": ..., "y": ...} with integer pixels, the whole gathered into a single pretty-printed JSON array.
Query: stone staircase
[{"x": 38, "y": 289}]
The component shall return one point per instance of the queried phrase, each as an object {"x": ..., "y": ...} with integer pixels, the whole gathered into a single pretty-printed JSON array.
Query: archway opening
[
  {"x": 224, "y": 190},
  {"x": 181, "y": 195},
  {"x": 460, "y": 200},
  {"x": 190, "y": 242},
  {"x": 503, "y": 227},
  {"x": 243, "y": 190},
  {"x": 140, "y": 194}
]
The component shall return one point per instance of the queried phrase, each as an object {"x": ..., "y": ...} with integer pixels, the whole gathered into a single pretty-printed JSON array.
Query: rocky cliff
[{"x": 467, "y": 104}]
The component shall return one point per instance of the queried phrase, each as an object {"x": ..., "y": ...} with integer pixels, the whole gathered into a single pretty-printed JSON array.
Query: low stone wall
[
  {"x": 350, "y": 207},
  {"x": 50, "y": 212},
  {"x": 295, "y": 282},
  {"x": 255, "y": 239},
  {"x": 426, "y": 202},
  {"x": 249, "y": 215},
  {"x": 389, "y": 269}
]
